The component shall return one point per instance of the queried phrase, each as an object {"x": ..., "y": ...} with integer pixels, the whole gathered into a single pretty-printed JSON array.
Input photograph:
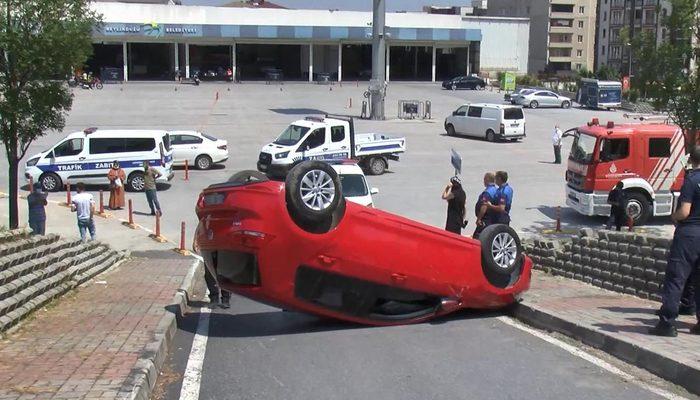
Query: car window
[
  {"x": 176, "y": 139},
  {"x": 315, "y": 139},
  {"x": 71, "y": 147},
  {"x": 462, "y": 111},
  {"x": 660, "y": 147},
  {"x": 615, "y": 149},
  {"x": 166, "y": 141},
  {"x": 133, "y": 145},
  {"x": 337, "y": 134},
  {"x": 106, "y": 145},
  {"x": 513, "y": 113},
  {"x": 190, "y": 139},
  {"x": 541, "y": 94},
  {"x": 291, "y": 135},
  {"x": 474, "y": 112},
  {"x": 353, "y": 185}
]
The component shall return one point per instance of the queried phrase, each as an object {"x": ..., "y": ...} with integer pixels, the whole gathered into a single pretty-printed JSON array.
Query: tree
[
  {"x": 40, "y": 42},
  {"x": 606, "y": 73},
  {"x": 669, "y": 72}
]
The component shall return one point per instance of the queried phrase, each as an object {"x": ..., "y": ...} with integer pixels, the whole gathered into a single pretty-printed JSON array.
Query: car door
[
  {"x": 475, "y": 125},
  {"x": 551, "y": 99},
  {"x": 191, "y": 147},
  {"x": 460, "y": 120},
  {"x": 314, "y": 146},
  {"x": 68, "y": 159},
  {"x": 338, "y": 144},
  {"x": 178, "y": 149}
]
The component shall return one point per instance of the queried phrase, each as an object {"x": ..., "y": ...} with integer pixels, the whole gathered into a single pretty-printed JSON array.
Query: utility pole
[
  {"x": 633, "y": 13},
  {"x": 377, "y": 84}
]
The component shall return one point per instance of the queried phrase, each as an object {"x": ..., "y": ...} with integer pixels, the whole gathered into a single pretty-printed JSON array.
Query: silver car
[{"x": 543, "y": 98}]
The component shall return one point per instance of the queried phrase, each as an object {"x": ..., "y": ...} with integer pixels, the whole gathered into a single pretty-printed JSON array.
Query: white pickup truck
[{"x": 329, "y": 138}]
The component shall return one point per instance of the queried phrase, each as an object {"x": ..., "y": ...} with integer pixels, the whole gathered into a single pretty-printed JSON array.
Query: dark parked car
[{"x": 465, "y": 82}]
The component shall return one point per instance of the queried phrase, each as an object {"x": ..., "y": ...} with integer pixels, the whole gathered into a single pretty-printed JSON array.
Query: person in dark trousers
[
  {"x": 684, "y": 258},
  {"x": 456, "y": 199},
  {"x": 484, "y": 217},
  {"x": 618, "y": 207},
  {"x": 218, "y": 297},
  {"x": 504, "y": 199},
  {"x": 687, "y": 306},
  {"x": 36, "y": 202},
  {"x": 556, "y": 143},
  {"x": 149, "y": 179}
]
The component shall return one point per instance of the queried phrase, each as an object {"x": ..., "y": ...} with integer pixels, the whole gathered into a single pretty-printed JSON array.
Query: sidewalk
[
  {"x": 106, "y": 340},
  {"x": 614, "y": 323}
]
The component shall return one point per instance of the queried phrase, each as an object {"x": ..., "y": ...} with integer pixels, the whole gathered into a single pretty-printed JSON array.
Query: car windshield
[
  {"x": 513, "y": 113},
  {"x": 582, "y": 149},
  {"x": 292, "y": 135},
  {"x": 212, "y": 138},
  {"x": 609, "y": 95},
  {"x": 353, "y": 185}
]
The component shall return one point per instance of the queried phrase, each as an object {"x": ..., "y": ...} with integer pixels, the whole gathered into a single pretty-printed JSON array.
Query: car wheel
[
  {"x": 136, "y": 182},
  {"x": 203, "y": 162},
  {"x": 453, "y": 87},
  {"x": 480, "y": 87},
  {"x": 566, "y": 104},
  {"x": 450, "y": 130},
  {"x": 638, "y": 208},
  {"x": 501, "y": 251},
  {"x": 376, "y": 166},
  {"x": 313, "y": 192},
  {"x": 534, "y": 104},
  {"x": 490, "y": 136},
  {"x": 50, "y": 182}
]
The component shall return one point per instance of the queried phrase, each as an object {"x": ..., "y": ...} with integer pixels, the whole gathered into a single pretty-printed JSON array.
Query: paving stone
[{"x": 660, "y": 253}]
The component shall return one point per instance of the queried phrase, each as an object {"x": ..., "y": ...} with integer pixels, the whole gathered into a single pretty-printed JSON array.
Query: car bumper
[
  {"x": 587, "y": 203},
  {"x": 276, "y": 170}
]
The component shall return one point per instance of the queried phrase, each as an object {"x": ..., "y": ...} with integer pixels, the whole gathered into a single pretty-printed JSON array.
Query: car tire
[
  {"x": 453, "y": 87},
  {"x": 566, "y": 104},
  {"x": 490, "y": 136},
  {"x": 480, "y": 87},
  {"x": 136, "y": 182},
  {"x": 501, "y": 250},
  {"x": 313, "y": 192},
  {"x": 450, "y": 129},
  {"x": 376, "y": 166},
  {"x": 638, "y": 207},
  {"x": 50, "y": 182},
  {"x": 534, "y": 104},
  {"x": 203, "y": 162}
]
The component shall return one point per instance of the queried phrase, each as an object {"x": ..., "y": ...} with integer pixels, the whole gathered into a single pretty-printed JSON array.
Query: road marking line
[
  {"x": 192, "y": 378},
  {"x": 592, "y": 359}
]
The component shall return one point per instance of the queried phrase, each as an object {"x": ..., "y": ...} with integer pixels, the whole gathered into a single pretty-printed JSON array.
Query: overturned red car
[{"x": 298, "y": 245}]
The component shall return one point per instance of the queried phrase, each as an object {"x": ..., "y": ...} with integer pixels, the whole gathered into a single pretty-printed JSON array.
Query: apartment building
[
  {"x": 562, "y": 32},
  {"x": 614, "y": 16}
]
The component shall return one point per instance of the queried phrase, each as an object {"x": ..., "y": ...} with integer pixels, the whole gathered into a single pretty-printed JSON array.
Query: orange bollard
[
  {"x": 68, "y": 196},
  {"x": 630, "y": 224},
  {"x": 181, "y": 249},
  {"x": 156, "y": 235},
  {"x": 130, "y": 223},
  {"x": 350, "y": 105},
  {"x": 187, "y": 170},
  {"x": 558, "y": 229}
]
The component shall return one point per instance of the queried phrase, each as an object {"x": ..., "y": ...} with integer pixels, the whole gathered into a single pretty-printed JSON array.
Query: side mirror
[{"x": 374, "y": 191}]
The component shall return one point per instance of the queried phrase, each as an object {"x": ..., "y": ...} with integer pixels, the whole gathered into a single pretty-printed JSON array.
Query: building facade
[
  {"x": 616, "y": 15},
  {"x": 149, "y": 41},
  {"x": 562, "y": 32}
]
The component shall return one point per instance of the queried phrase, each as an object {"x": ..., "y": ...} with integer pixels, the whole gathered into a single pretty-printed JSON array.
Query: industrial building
[{"x": 139, "y": 41}]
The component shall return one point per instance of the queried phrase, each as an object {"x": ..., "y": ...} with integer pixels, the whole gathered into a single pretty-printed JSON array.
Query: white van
[
  {"x": 488, "y": 121},
  {"x": 87, "y": 157}
]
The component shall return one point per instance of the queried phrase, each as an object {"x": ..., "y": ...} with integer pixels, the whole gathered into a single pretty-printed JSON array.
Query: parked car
[
  {"x": 354, "y": 183},
  {"x": 299, "y": 245},
  {"x": 511, "y": 97},
  {"x": 464, "y": 82},
  {"x": 199, "y": 149},
  {"x": 543, "y": 98},
  {"x": 488, "y": 121}
]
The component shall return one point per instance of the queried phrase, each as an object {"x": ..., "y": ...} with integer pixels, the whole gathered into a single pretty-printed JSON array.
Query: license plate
[
  {"x": 514, "y": 125},
  {"x": 213, "y": 199}
]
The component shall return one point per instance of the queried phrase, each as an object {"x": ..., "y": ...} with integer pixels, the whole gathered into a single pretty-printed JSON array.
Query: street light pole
[
  {"x": 633, "y": 13},
  {"x": 377, "y": 84}
]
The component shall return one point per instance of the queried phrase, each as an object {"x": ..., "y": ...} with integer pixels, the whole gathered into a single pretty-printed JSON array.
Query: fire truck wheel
[{"x": 638, "y": 207}]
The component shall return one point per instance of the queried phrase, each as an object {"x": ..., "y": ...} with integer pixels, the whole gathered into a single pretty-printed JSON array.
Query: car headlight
[
  {"x": 32, "y": 162},
  {"x": 281, "y": 155}
]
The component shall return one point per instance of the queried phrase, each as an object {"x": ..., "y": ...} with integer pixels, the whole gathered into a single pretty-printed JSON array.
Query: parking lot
[{"x": 250, "y": 115}]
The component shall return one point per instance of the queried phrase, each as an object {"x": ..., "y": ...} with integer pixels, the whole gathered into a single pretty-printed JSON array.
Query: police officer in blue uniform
[
  {"x": 484, "y": 217},
  {"x": 684, "y": 258},
  {"x": 504, "y": 199}
]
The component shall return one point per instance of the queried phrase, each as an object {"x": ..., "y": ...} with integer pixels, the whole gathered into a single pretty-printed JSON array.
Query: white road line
[
  {"x": 193, "y": 373},
  {"x": 591, "y": 359}
]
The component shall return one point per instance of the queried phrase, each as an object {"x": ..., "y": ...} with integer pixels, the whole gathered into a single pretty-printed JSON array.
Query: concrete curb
[
  {"x": 669, "y": 369},
  {"x": 139, "y": 385}
]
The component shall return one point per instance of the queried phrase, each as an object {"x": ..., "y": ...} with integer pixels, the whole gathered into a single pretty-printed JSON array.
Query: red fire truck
[{"x": 648, "y": 157}]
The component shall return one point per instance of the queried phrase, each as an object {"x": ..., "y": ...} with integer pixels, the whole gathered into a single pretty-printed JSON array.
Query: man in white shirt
[
  {"x": 556, "y": 142},
  {"x": 83, "y": 204}
]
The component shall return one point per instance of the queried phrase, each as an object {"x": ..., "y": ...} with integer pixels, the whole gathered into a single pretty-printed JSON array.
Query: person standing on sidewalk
[
  {"x": 116, "y": 177},
  {"x": 36, "y": 203},
  {"x": 556, "y": 142},
  {"x": 83, "y": 204},
  {"x": 504, "y": 199},
  {"x": 484, "y": 217},
  {"x": 684, "y": 258},
  {"x": 149, "y": 178},
  {"x": 618, "y": 207},
  {"x": 456, "y": 199}
]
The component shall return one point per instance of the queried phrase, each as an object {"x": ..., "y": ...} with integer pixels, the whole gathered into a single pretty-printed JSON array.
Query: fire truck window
[
  {"x": 615, "y": 149},
  {"x": 660, "y": 147}
]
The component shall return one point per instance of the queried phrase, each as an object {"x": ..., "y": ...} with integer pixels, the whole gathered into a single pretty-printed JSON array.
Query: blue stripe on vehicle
[
  {"x": 383, "y": 147},
  {"x": 332, "y": 156},
  {"x": 67, "y": 167}
]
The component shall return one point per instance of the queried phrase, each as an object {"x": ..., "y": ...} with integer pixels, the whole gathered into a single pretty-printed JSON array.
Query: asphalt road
[{"x": 257, "y": 352}]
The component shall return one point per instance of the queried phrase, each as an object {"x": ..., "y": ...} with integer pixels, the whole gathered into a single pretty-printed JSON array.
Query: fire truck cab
[{"x": 648, "y": 157}]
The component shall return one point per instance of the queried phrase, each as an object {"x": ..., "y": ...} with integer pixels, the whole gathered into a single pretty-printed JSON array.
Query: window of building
[
  {"x": 337, "y": 134},
  {"x": 660, "y": 147},
  {"x": 580, "y": 24},
  {"x": 604, "y": 33},
  {"x": 582, "y": 10},
  {"x": 616, "y": 52},
  {"x": 559, "y": 22},
  {"x": 603, "y": 50},
  {"x": 579, "y": 67},
  {"x": 527, "y": 10},
  {"x": 565, "y": 8},
  {"x": 580, "y": 38},
  {"x": 579, "y": 53},
  {"x": 605, "y": 15}
]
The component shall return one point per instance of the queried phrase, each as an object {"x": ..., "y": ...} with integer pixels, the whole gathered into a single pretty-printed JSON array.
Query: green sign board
[{"x": 508, "y": 81}]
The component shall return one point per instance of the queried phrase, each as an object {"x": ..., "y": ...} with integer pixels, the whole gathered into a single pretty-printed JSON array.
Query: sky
[{"x": 360, "y": 5}]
